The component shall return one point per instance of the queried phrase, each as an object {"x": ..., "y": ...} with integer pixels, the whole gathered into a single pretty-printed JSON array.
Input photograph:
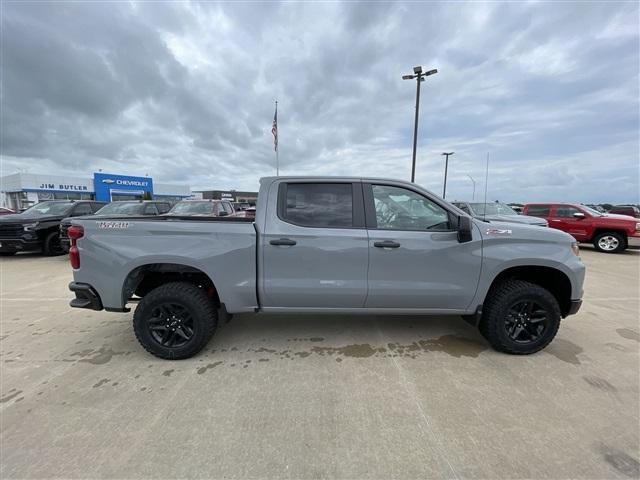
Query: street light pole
[
  {"x": 419, "y": 76},
  {"x": 473, "y": 197},
  {"x": 446, "y": 167}
]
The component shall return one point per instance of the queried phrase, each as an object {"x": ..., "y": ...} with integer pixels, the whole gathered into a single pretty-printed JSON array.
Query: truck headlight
[
  {"x": 30, "y": 226},
  {"x": 575, "y": 249},
  {"x": 637, "y": 227}
]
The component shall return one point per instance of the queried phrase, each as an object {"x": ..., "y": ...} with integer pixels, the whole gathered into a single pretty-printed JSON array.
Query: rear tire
[
  {"x": 52, "y": 245},
  {"x": 520, "y": 318},
  {"x": 175, "y": 321},
  {"x": 610, "y": 242}
]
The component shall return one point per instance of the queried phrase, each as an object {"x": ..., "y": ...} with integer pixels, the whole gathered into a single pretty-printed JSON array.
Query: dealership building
[{"x": 21, "y": 190}]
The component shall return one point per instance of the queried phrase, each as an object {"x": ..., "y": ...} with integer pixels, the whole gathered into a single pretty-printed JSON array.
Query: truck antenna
[{"x": 486, "y": 181}]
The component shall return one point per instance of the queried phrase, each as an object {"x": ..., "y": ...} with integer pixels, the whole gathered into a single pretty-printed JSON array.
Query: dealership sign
[
  {"x": 63, "y": 187},
  {"x": 107, "y": 185}
]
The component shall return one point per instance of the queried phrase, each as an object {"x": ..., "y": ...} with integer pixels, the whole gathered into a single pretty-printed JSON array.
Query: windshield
[
  {"x": 592, "y": 211},
  {"x": 492, "y": 209},
  {"x": 121, "y": 208},
  {"x": 48, "y": 208},
  {"x": 192, "y": 208}
]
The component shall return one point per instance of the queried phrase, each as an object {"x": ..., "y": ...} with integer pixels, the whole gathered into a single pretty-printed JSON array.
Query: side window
[
  {"x": 401, "y": 209},
  {"x": 564, "y": 211},
  {"x": 150, "y": 209},
  {"x": 539, "y": 211},
  {"x": 319, "y": 204},
  {"x": 227, "y": 207},
  {"x": 96, "y": 206},
  {"x": 82, "y": 209},
  {"x": 162, "y": 207},
  {"x": 464, "y": 207}
]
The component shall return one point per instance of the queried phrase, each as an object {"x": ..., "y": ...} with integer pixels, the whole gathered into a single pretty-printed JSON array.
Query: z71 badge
[
  {"x": 113, "y": 225},
  {"x": 498, "y": 231}
]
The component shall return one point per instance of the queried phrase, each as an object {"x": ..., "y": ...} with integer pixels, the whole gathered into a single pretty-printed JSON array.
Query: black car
[
  {"x": 134, "y": 208},
  {"x": 37, "y": 228}
]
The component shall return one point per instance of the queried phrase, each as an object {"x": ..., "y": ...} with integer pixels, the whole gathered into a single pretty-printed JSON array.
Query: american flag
[{"x": 274, "y": 129}]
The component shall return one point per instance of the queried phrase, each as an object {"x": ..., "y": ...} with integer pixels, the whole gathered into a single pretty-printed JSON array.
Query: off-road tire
[
  {"x": 195, "y": 301},
  {"x": 493, "y": 325},
  {"x": 622, "y": 242},
  {"x": 52, "y": 245}
]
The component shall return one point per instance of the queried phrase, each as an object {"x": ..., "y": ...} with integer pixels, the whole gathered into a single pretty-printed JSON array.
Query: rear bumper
[
  {"x": 86, "y": 296},
  {"x": 574, "y": 307},
  {"x": 19, "y": 245}
]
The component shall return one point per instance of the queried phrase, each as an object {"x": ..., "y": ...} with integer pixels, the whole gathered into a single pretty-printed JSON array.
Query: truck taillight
[{"x": 75, "y": 232}]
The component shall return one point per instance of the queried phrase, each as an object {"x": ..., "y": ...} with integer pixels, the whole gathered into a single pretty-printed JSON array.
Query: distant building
[
  {"x": 21, "y": 190},
  {"x": 231, "y": 195}
]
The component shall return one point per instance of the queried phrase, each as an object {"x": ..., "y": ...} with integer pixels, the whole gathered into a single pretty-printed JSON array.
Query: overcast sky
[{"x": 185, "y": 92}]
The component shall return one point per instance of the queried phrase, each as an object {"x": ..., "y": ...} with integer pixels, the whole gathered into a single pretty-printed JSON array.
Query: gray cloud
[{"x": 184, "y": 92}]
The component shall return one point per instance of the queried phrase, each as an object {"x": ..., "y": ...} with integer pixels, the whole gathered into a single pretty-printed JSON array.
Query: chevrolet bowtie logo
[{"x": 108, "y": 181}]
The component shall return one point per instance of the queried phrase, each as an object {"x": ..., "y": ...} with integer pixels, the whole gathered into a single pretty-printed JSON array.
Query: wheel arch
[
  {"x": 600, "y": 230},
  {"x": 144, "y": 278},
  {"x": 552, "y": 279}
]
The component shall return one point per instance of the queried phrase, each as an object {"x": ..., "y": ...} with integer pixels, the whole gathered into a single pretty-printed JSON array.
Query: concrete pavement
[{"x": 316, "y": 397}]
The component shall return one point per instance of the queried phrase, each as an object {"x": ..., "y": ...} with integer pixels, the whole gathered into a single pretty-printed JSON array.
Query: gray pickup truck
[{"x": 327, "y": 245}]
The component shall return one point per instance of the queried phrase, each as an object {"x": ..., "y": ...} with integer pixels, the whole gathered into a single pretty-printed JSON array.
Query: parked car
[
  {"x": 6, "y": 211},
  {"x": 327, "y": 245},
  {"x": 37, "y": 228},
  {"x": 630, "y": 210},
  {"x": 241, "y": 206},
  {"x": 207, "y": 208},
  {"x": 607, "y": 232},
  {"x": 499, "y": 212},
  {"x": 131, "y": 207}
]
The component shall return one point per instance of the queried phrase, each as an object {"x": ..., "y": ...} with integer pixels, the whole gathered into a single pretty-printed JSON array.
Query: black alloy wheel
[
  {"x": 526, "y": 321},
  {"x": 171, "y": 325}
]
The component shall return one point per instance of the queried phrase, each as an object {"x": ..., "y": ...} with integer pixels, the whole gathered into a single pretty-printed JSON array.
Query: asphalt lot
[{"x": 316, "y": 397}]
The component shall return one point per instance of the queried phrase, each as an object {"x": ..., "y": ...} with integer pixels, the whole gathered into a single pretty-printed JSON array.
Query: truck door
[
  {"x": 415, "y": 259},
  {"x": 562, "y": 218},
  {"x": 315, "y": 247}
]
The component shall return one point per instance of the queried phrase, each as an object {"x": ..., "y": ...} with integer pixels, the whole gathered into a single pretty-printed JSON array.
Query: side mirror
[
  {"x": 579, "y": 215},
  {"x": 464, "y": 229},
  {"x": 223, "y": 213}
]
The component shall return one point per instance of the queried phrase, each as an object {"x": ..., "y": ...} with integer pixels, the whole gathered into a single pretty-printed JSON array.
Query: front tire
[
  {"x": 610, "y": 242},
  {"x": 52, "y": 245},
  {"x": 175, "y": 321},
  {"x": 520, "y": 318}
]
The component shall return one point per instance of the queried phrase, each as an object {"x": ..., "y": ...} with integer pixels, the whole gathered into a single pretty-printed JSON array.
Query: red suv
[{"x": 609, "y": 233}]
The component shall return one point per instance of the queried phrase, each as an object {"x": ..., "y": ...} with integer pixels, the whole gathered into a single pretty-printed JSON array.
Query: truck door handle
[
  {"x": 386, "y": 244},
  {"x": 283, "y": 241}
]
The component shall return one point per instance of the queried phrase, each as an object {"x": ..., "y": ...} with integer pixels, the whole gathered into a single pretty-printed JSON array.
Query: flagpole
[{"x": 277, "y": 147}]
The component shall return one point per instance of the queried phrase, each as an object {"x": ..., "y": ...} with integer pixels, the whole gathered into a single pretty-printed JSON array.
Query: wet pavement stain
[
  {"x": 565, "y": 350},
  {"x": 600, "y": 383},
  {"x": 9, "y": 396},
  {"x": 167, "y": 373},
  {"x": 208, "y": 366},
  {"x": 629, "y": 334},
  {"x": 100, "y": 356},
  {"x": 102, "y": 382},
  {"x": 363, "y": 350},
  {"x": 621, "y": 461}
]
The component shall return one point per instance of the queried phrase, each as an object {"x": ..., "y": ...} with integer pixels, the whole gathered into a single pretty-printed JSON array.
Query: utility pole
[
  {"x": 446, "y": 167},
  {"x": 473, "y": 197},
  {"x": 419, "y": 76}
]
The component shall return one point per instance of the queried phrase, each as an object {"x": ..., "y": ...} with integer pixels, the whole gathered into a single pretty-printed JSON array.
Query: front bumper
[
  {"x": 574, "y": 307},
  {"x": 19, "y": 245},
  {"x": 86, "y": 296}
]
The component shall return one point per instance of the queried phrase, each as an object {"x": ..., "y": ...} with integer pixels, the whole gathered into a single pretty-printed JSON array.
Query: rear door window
[
  {"x": 82, "y": 209},
  {"x": 150, "y": 209},
  {"x": 539, "y": 210},
  {"x": 227, "y": 207},
  {"x": 328, "y": 205},
  {"x": 163, "y": 207}
]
